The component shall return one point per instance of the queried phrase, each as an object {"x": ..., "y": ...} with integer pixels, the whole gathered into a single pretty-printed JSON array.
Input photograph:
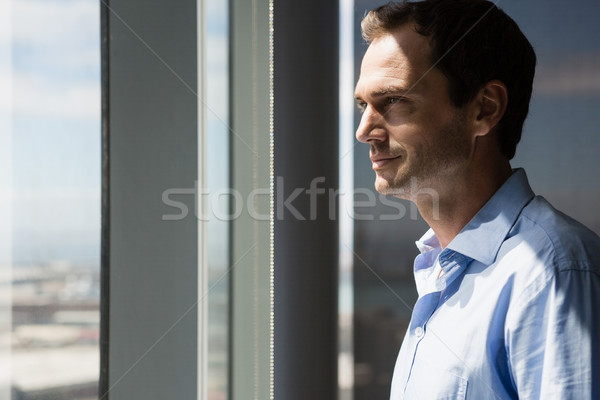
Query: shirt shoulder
[
  {"x": 566, "y": 240},
  {"x": 545, "y": 242}
]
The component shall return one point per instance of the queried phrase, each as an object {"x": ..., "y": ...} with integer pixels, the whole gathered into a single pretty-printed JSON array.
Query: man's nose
[{"x": 370, "y": 127}]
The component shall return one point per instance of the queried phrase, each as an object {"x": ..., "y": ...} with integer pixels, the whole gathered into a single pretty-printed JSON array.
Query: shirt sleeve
[{"x": 553, "y": 336}]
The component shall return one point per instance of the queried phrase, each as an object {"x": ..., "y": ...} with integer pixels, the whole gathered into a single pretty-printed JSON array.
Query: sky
[
  {"x": 55, "y": 109},
  {"x": 51, "y": 62}
]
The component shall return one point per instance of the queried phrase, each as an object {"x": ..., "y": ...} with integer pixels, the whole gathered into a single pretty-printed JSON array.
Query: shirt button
[{"x": 419, "y": 331}]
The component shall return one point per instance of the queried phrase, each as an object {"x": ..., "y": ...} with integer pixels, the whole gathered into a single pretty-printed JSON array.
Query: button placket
[{"x": 419, "y": 332}]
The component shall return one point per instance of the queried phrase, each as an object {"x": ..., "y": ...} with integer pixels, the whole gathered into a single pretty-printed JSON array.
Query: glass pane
[
  {"x": 216, "y": 111},
  {"x": 558, "y": 148},
  {"x": 54, "y": 274}
]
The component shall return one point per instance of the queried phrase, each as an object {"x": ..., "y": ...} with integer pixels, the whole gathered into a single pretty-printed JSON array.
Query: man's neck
[{"x": 448, "y": 212}]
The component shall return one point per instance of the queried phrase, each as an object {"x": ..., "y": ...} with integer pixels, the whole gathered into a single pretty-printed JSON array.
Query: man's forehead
[
  {"x": 384, "y": 57},
  {"x": 403, "y": 42},
  {"x": 393, "y": 60}
]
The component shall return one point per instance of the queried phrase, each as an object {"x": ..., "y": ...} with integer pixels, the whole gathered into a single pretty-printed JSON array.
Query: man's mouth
[{"x": 381, "y": 161}]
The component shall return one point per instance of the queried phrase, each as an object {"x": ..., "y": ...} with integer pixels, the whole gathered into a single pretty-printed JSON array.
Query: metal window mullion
[
  {"x": 151, "y": 282},
  {"x": 251, "y": 375}
]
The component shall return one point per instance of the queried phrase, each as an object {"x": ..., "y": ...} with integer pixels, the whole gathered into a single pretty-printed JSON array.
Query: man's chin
[
  {"x": 393, "y": 187},
  {"x": 385, "y": 187}
]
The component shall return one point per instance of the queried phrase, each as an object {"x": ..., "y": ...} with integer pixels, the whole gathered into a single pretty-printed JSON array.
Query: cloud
[
  {"x": 58, "y": 37},
  {"x": 55, "y": 63},
  {"x": 48, "y": 22},
  {"x": 36, "y": 96}
]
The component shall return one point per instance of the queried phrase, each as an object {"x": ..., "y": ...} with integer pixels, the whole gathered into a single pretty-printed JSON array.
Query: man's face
[{"x": 412, "y": 127}]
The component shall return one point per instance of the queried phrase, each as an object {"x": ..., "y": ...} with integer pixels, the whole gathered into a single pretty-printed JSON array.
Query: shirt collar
[
  {"x": 481, "y": 238},
  {"x": 427, "y": 242}
]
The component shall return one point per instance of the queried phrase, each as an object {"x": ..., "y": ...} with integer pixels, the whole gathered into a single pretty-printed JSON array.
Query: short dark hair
[{"x": 472, "y": 42}]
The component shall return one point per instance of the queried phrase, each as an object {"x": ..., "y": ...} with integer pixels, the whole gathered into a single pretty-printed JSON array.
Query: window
[
  {"x": 212, "y": 287},
  {"x": 51, "y": 195}
]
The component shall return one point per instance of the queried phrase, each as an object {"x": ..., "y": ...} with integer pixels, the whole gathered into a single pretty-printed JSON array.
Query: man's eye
[
  {"x": 361, "y": 106},
  {"x": 394, "y": 100}
]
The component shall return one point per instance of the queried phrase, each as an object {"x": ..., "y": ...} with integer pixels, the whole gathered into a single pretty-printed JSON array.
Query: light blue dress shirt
[{"x": 516, "y": 312}]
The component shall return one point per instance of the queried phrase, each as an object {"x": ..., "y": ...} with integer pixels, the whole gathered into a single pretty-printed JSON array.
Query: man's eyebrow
[
  {"x": 384, "y": 91},
  {"x": 389, "y": 90}
]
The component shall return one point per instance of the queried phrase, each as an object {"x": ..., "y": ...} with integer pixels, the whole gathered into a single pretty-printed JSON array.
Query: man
[{"x": 508, "y": 286}]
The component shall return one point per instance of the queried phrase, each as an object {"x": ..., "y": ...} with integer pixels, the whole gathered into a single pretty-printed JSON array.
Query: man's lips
[{"x": 382, "y": 161}]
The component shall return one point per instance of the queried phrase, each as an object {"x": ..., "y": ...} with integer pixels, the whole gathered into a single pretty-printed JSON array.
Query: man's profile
[{"x": 508, "y": 286}]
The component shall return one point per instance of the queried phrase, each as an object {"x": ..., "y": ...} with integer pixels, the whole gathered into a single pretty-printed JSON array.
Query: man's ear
[{"x": 490, "y": 106}]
